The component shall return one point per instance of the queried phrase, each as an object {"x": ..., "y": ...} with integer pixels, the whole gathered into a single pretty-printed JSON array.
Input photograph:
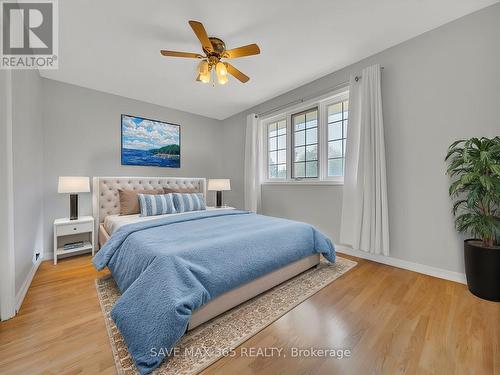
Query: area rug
[{"x": 207, "y": 343}]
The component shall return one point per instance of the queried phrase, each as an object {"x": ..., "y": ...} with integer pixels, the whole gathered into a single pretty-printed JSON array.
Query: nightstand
[{"x": 68, "y": 231}]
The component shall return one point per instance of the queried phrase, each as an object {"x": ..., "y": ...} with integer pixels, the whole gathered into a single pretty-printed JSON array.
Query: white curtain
[
  {"x": 253, "y": 154},
  {"x": 365, "y": 221}
]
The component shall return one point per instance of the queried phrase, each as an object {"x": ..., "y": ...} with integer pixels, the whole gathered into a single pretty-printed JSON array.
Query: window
[
  {"x": 277, "y": 149},
  {"x": 305, "y": 144},
  {"x": 337, "y": 131}
]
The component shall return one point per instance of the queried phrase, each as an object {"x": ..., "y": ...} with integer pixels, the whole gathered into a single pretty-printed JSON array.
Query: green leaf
[
  {"x": 454, "y": 144},
  {"x": 455, "y": 187},
  {"x": 453, "y": 151},
  {"x": 457, "y": 205},
  {"x": 496, "y": 169}
]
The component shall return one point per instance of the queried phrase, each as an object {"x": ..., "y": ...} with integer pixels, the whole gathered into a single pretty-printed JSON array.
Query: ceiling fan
[{"x": 215, "y": 50}]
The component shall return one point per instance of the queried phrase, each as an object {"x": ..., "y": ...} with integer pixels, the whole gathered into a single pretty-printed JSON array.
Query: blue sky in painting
[{"x": 141, "y": 134}]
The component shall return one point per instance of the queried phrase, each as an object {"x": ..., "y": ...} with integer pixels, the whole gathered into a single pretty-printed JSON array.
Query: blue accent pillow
[
  {"x": 185, "y": 202},
  {"x": 152, "y": 205}
]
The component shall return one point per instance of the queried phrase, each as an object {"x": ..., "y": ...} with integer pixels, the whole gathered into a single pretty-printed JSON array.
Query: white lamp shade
[
  {"x": 73, "y": 184},
  {"x": 219, "y": 184}
]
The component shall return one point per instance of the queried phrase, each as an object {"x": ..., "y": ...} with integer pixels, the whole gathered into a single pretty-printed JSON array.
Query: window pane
[
  {"x": 299, "y": 122},
  {"x": 282, "y": 127},
  {"x": 272, "y": 130},
  {"x": 282, "y": 171},
  {"x": 282, "y": 157},
  {"x": 277, "y": 145},
  {"x": 312, "y": 169},
  {"x": 300, "y": 138},
  {"x": 312, "y": 119},
  {"x": 335, "y": 112},
  {"x": 335, "y": 167},
  {"x": 282, "y": 141},
  {"x": 311, "y": 136},
  {"x": 335, "y": 131},
  {"x": 300, "y": 170},
  {"x": 273, "y": 171},
  {"x": 312, "y": 152},
  {"x": 272, "y": 144},
  {"x": 300, "y": 153},
  {"x": 273, "y": 157},
  {"x": 335, "y": 149}
]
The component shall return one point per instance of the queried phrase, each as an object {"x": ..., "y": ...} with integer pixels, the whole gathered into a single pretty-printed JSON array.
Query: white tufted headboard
[{"x": 105, "y": 199}]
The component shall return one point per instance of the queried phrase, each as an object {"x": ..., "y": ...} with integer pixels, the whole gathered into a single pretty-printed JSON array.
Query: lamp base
[
  {"x": 218, "y": 200},
  {"x": 73, "y": 206}
]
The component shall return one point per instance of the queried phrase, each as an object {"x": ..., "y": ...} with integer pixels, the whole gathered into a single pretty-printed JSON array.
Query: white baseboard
[
  {"x": 27, "y": 282},
  {"x": 400, "y": 263}
]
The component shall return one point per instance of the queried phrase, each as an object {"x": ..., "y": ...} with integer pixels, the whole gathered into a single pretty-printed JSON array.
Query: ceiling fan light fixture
[
  {"x": 203, "y": 67},
  {"x": 205, "y": 78},
  {"x": 222, "y": 80},
  {"x": 221, "y": 70}
]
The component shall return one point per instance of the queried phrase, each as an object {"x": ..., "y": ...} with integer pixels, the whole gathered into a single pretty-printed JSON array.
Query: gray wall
[
  {"x": 27, "y": 148},
  {"x": 319, "y": 205},
  {"x": 82, "y": 137},
  {"x": 438, "y": 87}
]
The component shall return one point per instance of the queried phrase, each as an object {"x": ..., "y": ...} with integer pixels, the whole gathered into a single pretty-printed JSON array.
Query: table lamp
[
  {"x": 72, "y": 185},
  {"x": 219, "y": 185}
]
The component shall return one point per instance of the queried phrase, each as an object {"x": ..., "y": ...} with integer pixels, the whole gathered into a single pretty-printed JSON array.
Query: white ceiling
[{"x": 113, "y": 45}]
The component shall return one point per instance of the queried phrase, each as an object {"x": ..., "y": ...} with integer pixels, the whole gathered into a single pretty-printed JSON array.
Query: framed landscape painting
[{"x": 150, "y": 143}]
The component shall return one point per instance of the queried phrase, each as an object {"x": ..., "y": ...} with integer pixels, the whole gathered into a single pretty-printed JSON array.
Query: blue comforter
[{"x": 167, "y": 268}]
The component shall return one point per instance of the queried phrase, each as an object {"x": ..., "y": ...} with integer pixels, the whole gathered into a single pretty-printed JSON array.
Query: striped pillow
[
  {"x": 152, "y": 205},
  {"x": 189, "y": 202}
]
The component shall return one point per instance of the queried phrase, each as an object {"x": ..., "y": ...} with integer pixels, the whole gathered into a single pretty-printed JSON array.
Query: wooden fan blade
[
  {"x": 236, "y": 73},
  {"x": 201, "y": 33},
  {"x": 249, "y": 50},
  {"x": 181, "y": 54}
]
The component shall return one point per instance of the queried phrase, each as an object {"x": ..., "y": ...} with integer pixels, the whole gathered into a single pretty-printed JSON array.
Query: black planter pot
[{"x": 482, "y": 268}]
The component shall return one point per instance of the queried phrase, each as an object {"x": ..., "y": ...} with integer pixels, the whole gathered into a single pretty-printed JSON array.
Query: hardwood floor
[{"x": 392, "y": 321}]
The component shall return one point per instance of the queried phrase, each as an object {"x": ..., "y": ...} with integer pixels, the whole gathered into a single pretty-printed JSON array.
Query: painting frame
[{"x": 123, "y": 159}]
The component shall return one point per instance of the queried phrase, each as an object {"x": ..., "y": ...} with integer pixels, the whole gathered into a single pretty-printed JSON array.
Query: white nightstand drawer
[{"x": 64, "y": 230}]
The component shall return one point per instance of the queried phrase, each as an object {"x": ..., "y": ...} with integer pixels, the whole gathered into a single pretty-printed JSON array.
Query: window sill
[{"x": 319, "y": 183}]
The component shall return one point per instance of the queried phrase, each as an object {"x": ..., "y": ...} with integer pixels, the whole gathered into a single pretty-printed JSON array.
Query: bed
[{"x": 179, "y": 271}]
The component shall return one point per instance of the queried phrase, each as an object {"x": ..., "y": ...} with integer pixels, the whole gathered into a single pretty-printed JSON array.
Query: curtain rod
[
  {"x": 306, "y": 98},
  {"x": 357, "y": 78}
]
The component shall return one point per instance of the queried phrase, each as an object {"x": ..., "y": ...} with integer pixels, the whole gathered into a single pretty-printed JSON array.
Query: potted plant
[{"x": 474, "y": 169}]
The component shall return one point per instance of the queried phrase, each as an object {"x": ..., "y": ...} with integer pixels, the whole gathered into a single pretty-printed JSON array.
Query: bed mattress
[{"x": 113, "y": 222}]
